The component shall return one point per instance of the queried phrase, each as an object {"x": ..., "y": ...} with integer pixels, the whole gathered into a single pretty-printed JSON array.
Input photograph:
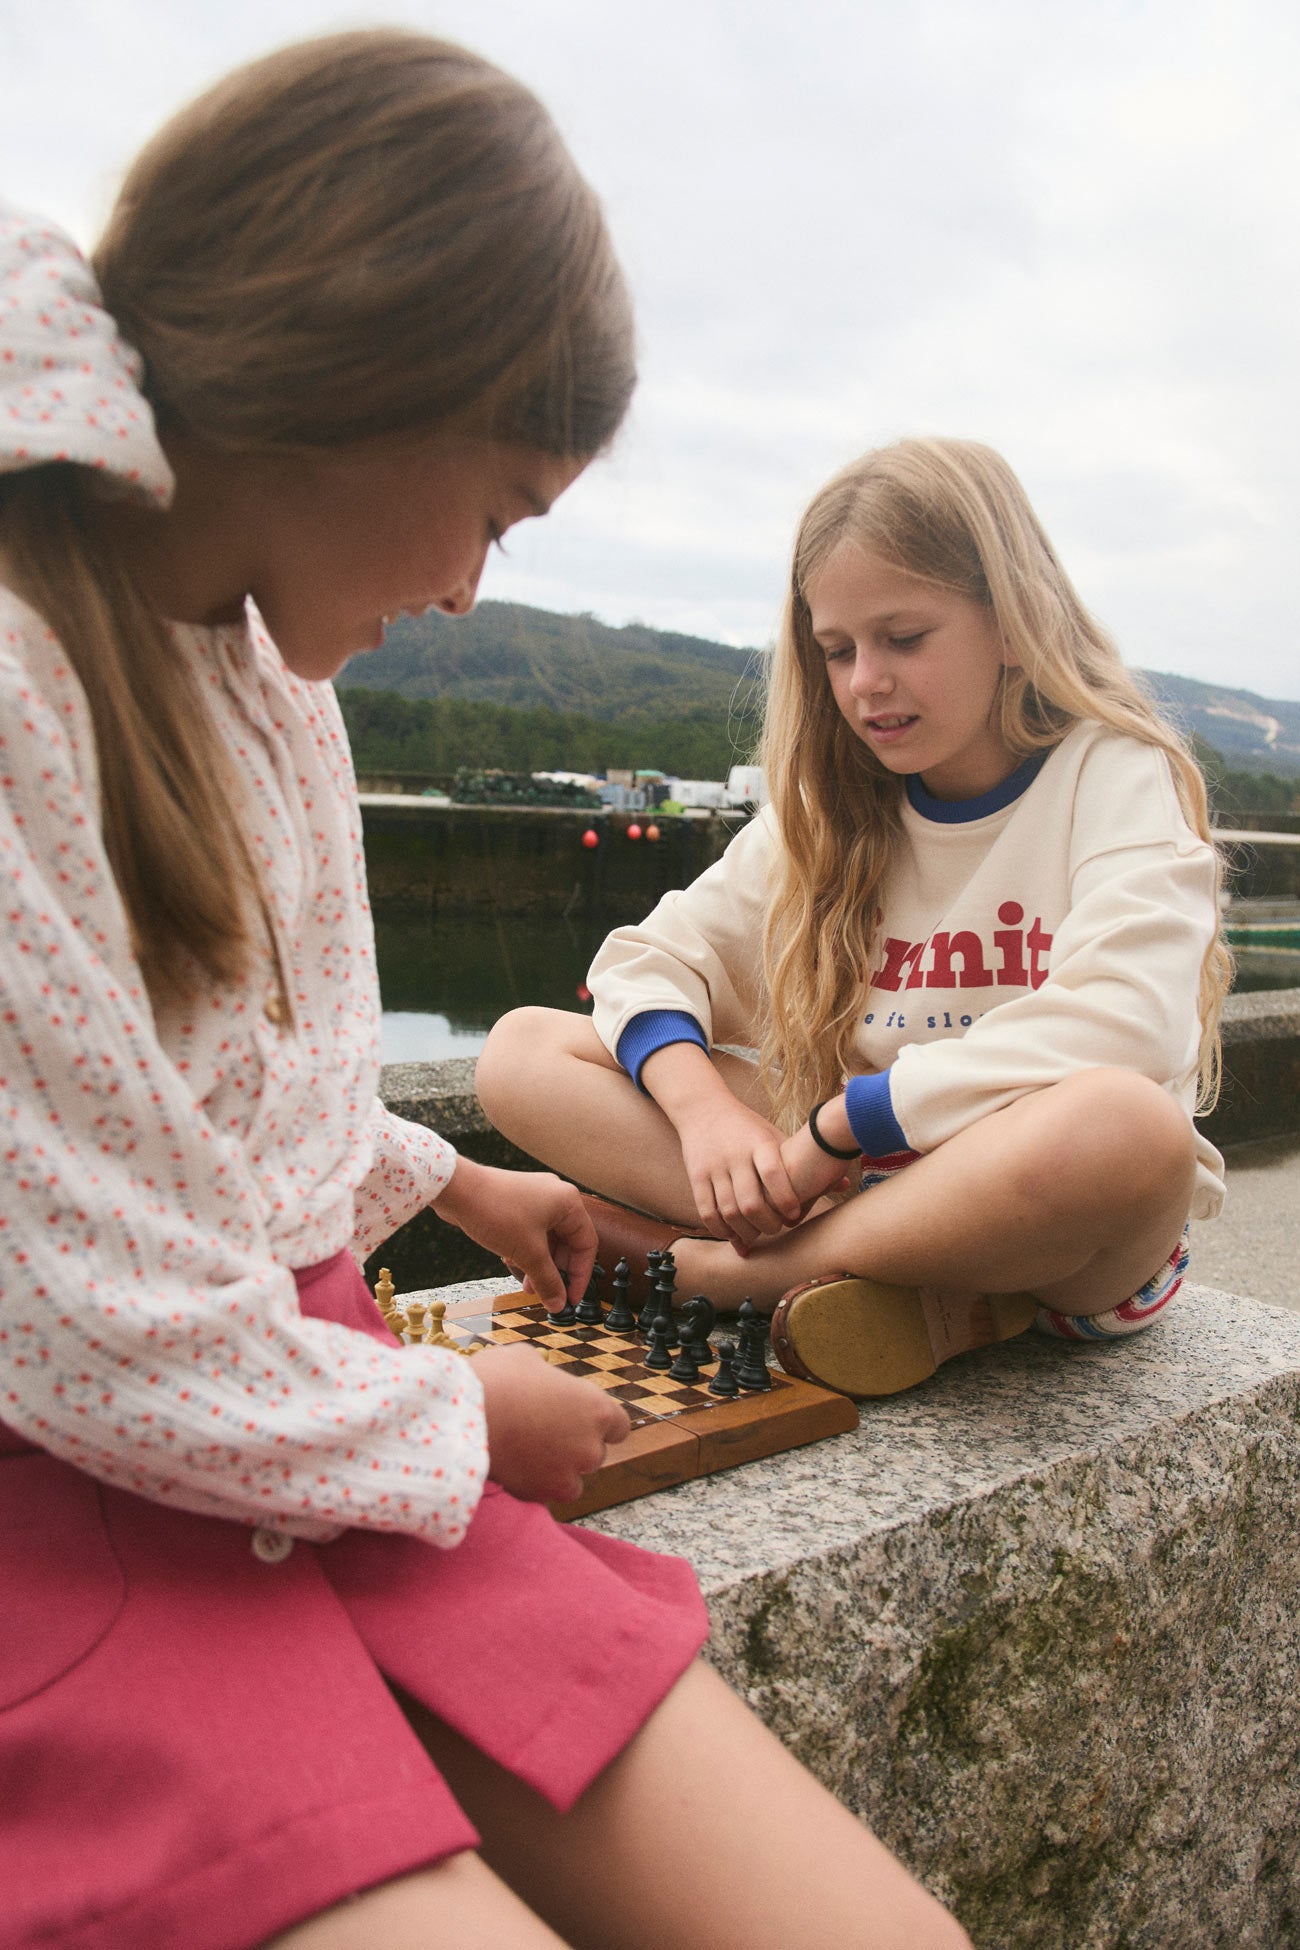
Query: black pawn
[
  {"x": 620, "y": 1319},
  {"x": 724, "y": 1382},
  {"x": 700, "y": 1321},
  {"x": 567, "y": 1315},
  {"x": 751, "y": 1369},
  {"x": 657, "y": 1355},
  {"x": 590, "y": 1312},
  {"x": 685, "y": 1368}
]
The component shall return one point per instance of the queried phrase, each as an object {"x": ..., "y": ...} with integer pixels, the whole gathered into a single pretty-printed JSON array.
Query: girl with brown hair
[
  {"x": 974, "y": 942},
  {"x": 289, "y": 1646}
]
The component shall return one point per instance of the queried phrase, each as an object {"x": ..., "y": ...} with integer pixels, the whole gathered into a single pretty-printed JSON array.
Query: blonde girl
[
  {"x": 973, "y": 941},
  {"x": 289, "y": 1646}
]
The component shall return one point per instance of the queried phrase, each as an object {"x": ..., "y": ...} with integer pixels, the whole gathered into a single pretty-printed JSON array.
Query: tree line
[
  {"x": 390, "y": 733},
  {"x": 440, "y": 735}
]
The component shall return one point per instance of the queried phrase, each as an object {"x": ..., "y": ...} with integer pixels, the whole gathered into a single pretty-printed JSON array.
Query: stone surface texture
[{"x": 1038, "y": 1621}]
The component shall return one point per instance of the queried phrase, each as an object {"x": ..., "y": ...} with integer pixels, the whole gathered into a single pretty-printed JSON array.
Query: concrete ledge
[
  {"x": 1039, "y": 1622},
  {"x": 1260, "y": 1098}
]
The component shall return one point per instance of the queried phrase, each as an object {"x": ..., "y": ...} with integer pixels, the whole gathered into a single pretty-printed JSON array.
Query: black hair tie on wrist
[{"x": 831, "y": 1150}]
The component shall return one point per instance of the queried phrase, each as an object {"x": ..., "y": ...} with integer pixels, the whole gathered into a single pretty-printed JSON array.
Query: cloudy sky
[{"x": 1066, "y": 227}]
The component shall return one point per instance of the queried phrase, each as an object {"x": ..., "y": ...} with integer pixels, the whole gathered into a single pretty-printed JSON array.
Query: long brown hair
[
  {"x": 954, "y": 513},
  {"x": 374, "y": 234}
]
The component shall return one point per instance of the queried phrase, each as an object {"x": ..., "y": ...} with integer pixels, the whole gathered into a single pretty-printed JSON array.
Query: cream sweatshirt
[{"x": 1055, "y": 925}]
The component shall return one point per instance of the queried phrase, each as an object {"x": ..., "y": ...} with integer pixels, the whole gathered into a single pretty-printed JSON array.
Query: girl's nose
[
  {"x": 871, "y": 676},
  {"x": 460, "y": 600}
]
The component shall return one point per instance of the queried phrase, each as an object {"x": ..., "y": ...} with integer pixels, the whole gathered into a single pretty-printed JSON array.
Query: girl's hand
[
  {"x": 733, "y": 1158},
  {"x": 811, "y": 1170},
  {"x": 546, "y": 1429},
  {"x": 535, "y": 1221},
  {"x": 731, "y": 1153}
]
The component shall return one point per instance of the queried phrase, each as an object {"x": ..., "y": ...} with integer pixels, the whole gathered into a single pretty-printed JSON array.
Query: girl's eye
[
  {"x": 496, "y": 537},
  {"x": 838, "y": 654},
  {"x": 905, "y": 642}
]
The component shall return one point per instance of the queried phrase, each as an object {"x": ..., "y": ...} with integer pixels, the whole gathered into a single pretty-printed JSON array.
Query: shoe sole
[{"x": 866, "y": 1338}]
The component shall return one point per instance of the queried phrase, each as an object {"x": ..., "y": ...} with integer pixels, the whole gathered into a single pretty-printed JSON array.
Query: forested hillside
[
  {"x": 439, "y": 735},
  {"x": 528, "y": 690}
]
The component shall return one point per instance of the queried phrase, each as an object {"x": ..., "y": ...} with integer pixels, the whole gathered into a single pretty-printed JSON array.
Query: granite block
[{"x": 1038, "y": 1621}]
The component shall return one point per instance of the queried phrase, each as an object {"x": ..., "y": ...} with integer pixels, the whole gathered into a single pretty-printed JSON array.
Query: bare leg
[
  {"x": 704, "y": 1832},
  {"x": 458, "y": 1901},
  {"x": 1075, "y": 1194},
  {"x": 548, "y": 1083}
]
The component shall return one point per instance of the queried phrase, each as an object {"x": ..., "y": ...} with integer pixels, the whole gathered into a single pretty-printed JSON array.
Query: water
[{"x": 445, "y": 982}]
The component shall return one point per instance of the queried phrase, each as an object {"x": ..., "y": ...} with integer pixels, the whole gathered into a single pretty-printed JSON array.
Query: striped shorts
[{"x": 1139, "y": 1311}]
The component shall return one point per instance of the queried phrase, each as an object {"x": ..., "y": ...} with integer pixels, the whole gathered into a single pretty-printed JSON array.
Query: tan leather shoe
[
  {"x": 867, "y": 1338},
  {"x": 624, "y": 1234}
]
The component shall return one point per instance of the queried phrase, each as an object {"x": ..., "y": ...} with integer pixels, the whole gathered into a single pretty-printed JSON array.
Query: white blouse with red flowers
[{"x": 160, "y": 1172}]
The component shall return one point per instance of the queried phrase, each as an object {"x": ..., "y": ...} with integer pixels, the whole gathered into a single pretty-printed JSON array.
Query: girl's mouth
[{"x": 885, "y": 729}]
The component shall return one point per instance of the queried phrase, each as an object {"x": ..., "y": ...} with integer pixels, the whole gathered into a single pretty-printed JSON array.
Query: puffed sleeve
[
  {"x": 146, "y": 1334},
  {"x": 410, "y": 1166}
]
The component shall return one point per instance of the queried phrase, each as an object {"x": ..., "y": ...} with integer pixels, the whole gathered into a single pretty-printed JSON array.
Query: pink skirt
[{"x": 198, "y": 1746}]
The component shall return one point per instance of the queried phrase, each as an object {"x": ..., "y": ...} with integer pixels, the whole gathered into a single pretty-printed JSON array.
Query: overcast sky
[{"x": 1066, "y": 227}]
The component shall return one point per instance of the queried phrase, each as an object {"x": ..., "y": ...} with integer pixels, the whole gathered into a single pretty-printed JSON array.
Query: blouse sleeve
[
  {"x": 146, "y": 1333},
  {"x": 410, "y": 1166}
]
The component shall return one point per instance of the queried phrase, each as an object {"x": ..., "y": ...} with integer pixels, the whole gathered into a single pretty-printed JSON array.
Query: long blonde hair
[
  {"x": 954, "y": 513},
  {"x": 372, "y": 234}
]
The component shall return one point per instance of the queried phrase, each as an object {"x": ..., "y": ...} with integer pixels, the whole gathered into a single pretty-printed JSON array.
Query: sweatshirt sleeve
[
  {"x": 699, "y": 954},
  {"x": 1121, "y": 990},
  {"x": 146, "y": 1334}
]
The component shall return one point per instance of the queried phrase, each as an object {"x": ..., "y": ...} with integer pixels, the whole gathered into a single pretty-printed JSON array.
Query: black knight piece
[{"x": 700, "y": 1318}]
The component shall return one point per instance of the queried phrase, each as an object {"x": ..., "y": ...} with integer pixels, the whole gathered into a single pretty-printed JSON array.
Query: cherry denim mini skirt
[{"x": 198, "y": 1741}]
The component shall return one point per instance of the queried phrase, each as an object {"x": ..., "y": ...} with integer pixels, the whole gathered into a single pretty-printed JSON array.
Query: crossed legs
[{"x": 1076, "y": 1193}]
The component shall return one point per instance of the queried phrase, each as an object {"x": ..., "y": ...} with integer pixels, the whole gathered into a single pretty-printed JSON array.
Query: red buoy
[
  {"x": 591, "y": 837},
  {"x": 652, "y": 832},
  {"x": 634, "y": 831}
]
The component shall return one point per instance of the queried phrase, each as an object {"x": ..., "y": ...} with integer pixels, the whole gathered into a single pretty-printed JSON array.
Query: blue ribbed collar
[{"x": 956, "y": 812}]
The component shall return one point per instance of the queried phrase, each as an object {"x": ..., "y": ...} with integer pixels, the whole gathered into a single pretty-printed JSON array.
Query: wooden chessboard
[{"x": 679, "y": 1430}]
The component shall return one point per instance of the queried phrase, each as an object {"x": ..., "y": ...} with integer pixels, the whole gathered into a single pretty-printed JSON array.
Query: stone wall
[{"x": 520, "y": 860}]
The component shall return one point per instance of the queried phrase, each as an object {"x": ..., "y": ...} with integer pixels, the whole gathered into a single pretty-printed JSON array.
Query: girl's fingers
[{"x": 781, "y": 1194}]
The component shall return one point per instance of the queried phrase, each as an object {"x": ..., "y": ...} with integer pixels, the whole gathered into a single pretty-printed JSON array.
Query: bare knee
[
  {"x": 517, "y": 1045},
  {"x": 1120, "y": 1136}
]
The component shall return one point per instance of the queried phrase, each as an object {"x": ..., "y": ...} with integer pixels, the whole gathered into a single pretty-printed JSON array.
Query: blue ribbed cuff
[
  {"x": 654, "y": 1029},
  {"x": 871, "y": 1116}
]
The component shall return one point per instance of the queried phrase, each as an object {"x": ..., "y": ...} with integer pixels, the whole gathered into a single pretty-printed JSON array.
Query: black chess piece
[
  {"x": 567, "y": 1315},
  {"x": 724, "y": 1382},
  {"x": 700, "y": 1320},
  {"x": 665, "y": 1286},
  {"x": 590, "y": 1312},
  {"x": 620, "y": 1319},
  {"x": 751, "y": 1368},
  {"x": 657, "y": 1355},
  {"x": 685, "y": 1368}
]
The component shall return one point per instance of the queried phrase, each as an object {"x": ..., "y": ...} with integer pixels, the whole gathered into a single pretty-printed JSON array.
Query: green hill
[
  {"x": 505, "y": 653},
  {"x": 529, "y": 689}
]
